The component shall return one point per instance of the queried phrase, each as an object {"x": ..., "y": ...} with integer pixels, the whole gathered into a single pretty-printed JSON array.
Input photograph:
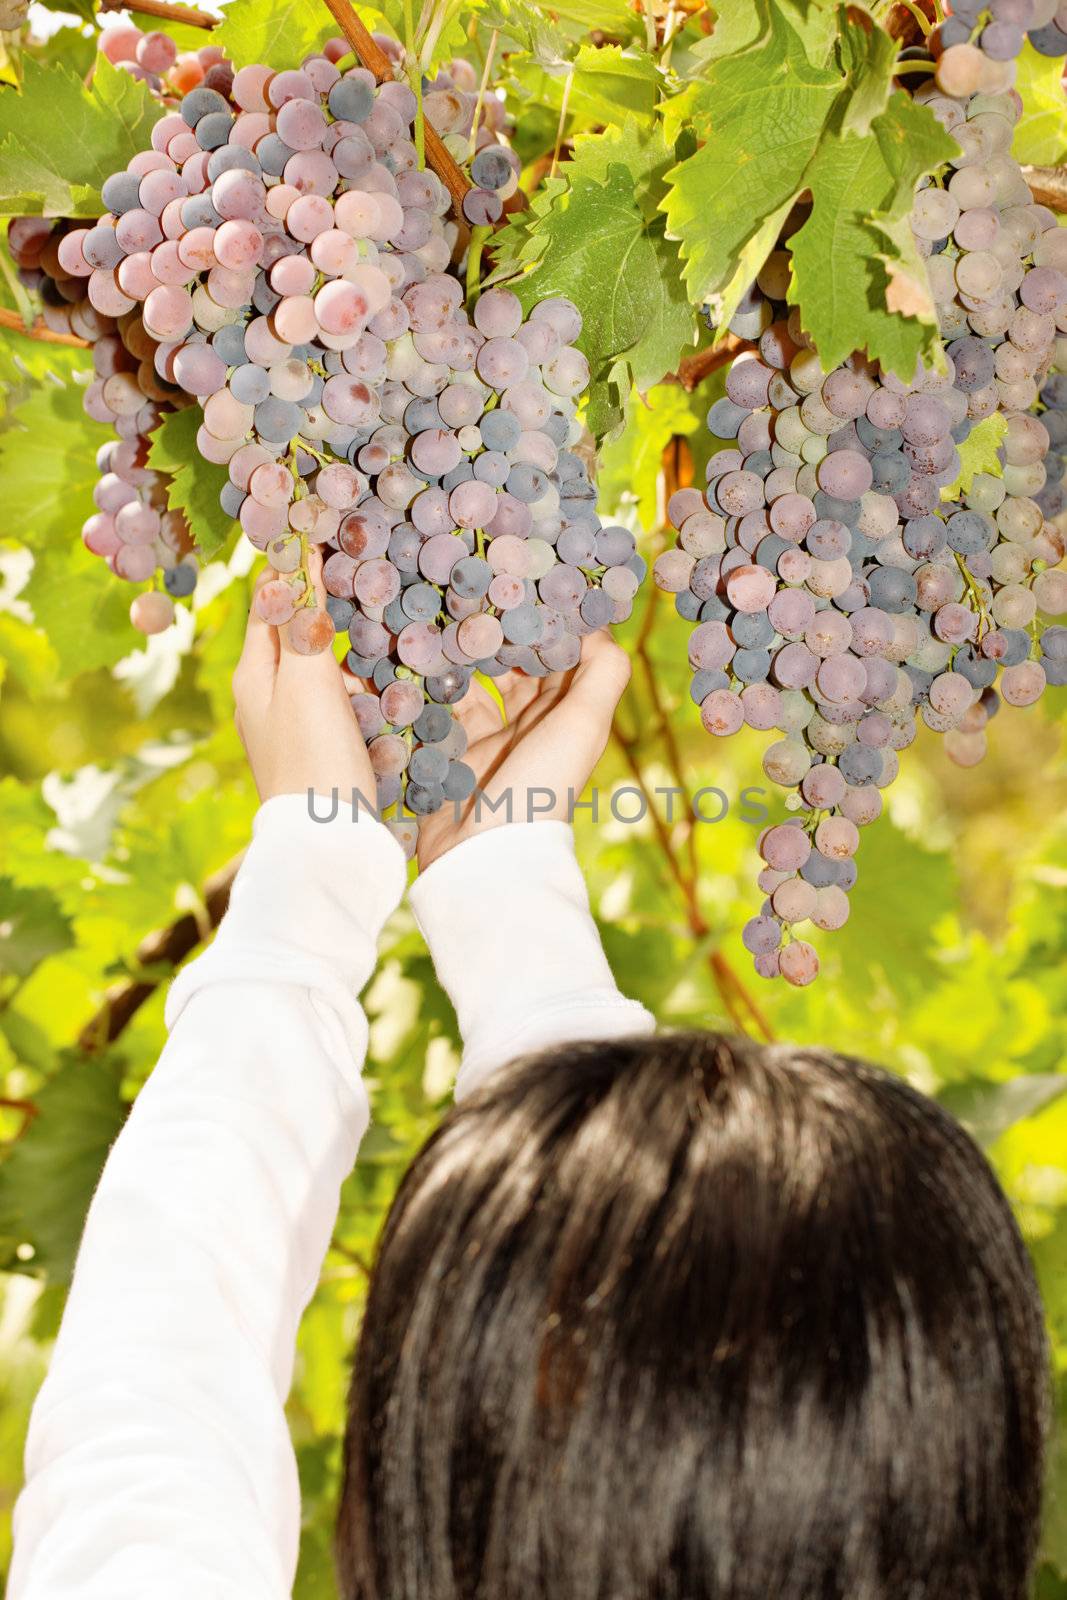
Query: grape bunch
[
  {"x": 132, "y": 528},
  {"x": 843, "y": 591},
  {"x": 285, "y": 264},
  {"x": 1006, "y": 23},
  {"x": 154, "y": 59}
]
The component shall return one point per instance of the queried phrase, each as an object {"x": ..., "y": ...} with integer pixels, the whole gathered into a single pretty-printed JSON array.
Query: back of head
[{"x": 690, "y": 1318}]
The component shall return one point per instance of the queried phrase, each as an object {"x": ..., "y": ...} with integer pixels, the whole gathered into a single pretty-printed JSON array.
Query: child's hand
[
  {"x": 295, "y": 718},
  {"x": 555, "y": 734}
]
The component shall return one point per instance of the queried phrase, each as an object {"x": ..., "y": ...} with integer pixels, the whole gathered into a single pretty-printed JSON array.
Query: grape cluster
[
  {"x": 132, "y": 528},
  {"x": 283, "y": 261},
  {"x": 998, "y": 27},
  {"x": 840, "y": 598},
  {"x": 154, "y": 59}
]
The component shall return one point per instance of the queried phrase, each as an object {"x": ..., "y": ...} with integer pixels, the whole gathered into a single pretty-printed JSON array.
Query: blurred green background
[{"x": 125, "y": 792}]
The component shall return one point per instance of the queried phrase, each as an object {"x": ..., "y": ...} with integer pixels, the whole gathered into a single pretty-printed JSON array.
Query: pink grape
[
  {"x": 401, "y": 702},
  {"x": 310, "y": 632},
  {"x": 794, "y": 900},
  {"x": 439, "y": 555},
  {"x": 837, "y": 838},
  {"x": 786, "y": 848},
  {"x": 480, "y": 636},
  {"x": 238, "y": 245},
  {"x": 722, "y": 713},
  {"x": 798, "y": 963},
  {"x": 750, "y": 588},
  {"x": 134, "y": 562},
  {"x": 276, "y": 602},
  {"x": 418, "y": 645}
]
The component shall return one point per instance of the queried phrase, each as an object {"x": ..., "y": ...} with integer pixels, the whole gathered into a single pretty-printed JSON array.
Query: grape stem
[
  {"x": 37, "y": 330},
  {"x": 415, "y": 81},
  {"x": 474, "y": 263},
  {"x": 974, "y": 595},
  {"x": 376, "y": 61},
  {"x": 562, "y": 122},
  {"x": 923, "y": 21},
  {"x": 479, "y": 103}
]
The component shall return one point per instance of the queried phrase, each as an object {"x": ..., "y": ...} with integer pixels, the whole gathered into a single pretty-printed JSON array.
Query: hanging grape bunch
[
  {"x": 280, "y": 258},
  {"x": 839, "y": 598}
]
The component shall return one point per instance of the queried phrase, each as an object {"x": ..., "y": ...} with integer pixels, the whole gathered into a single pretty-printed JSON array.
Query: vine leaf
[
  {"x": 763, "y": 110},
  {"x": 59, "y": 140},
  {"x": 799, "y": 109},
  {"x": 48, "y": 1177},
  {"x": 272, "y": 33},
  {"x": 843, "y": 261},
  {"x": 194, "y": 483},
  {"x": 33, "y": 927},
  {"x": 48, "y": 493},
  {"x": 598, "y": 239},
  {"x": 979, "y": 452},
  {"x": 1041, "y": 131}
]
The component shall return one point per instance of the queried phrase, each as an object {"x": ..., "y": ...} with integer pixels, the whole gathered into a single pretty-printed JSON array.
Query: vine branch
[
  {"x": 1048, "y": 185},
  {"x": 190, "y": 15},
  {"x": 694, "y": 368},
  {"x": 375, "y": 60},
  {"x": 166, "y": 947},
  {"x": 29, "y": 1110},
  {"x": 38, "y": 330}
]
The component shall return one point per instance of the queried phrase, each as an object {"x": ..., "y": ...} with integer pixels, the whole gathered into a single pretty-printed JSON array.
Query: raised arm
[
  {"x": 158, "y": 1461},
  {"x": 503, "y": 905}
]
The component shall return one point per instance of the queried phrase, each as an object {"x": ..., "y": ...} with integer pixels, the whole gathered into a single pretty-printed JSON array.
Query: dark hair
[{"x": 688, "y": 1318}]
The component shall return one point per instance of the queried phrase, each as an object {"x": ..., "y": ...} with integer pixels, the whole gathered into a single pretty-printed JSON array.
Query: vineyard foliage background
[{"x": 125, "y": 793}]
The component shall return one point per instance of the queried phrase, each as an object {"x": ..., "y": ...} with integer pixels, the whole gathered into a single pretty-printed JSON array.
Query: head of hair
[{"x": 690, "y": 1318}]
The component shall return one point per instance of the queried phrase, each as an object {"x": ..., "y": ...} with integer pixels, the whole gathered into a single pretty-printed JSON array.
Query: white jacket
[{"x": 158, "y": 1462}]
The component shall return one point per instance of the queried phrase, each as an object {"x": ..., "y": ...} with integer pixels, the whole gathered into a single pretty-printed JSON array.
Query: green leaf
[
  {"x": 59, "y": 140},
  {"x": 763, "y": 109},
  {"x": 892, "y": 922},
  {"x": 842, "y": 283},
  {"x": 979, "y": 452},
  {"x": 611, "y": 84},
  {"x": 32, "y": 928},
  {"x": 494, "y": 694},
  {"x": 547, "y": 46},
  {"x": 78, "y": 8},
  {"x": 73, "y": 46},
  {"x": 787, "y": 113},
  {"x": 1041, "y": 132},
  {"x": 596, "y": 245},
  {"x": 630, "y": 464},
  {"x": 642, "y": 150},
  {"x": 47, "y": 495},
  {"x": 195, "y": 483},
  {"x": 869, "y": 56},
  {"x": 48, "y": 1177},
  {"x": 273, "y": 33},
  {"x": 615, "y": 18},
  {"x": 989, "y": 1109}
]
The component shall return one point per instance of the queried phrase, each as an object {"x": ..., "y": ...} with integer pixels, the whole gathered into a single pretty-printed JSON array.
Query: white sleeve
[
  {"x": 158, "y": 1460},
  {"x": 506, "y": 916}
]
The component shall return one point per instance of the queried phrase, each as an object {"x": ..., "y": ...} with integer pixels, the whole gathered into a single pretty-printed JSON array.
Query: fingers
[
  {"x": 259, "y": 653},
  {"x": 602, "y": 674},
  {"x": 323, "y": 663}
]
